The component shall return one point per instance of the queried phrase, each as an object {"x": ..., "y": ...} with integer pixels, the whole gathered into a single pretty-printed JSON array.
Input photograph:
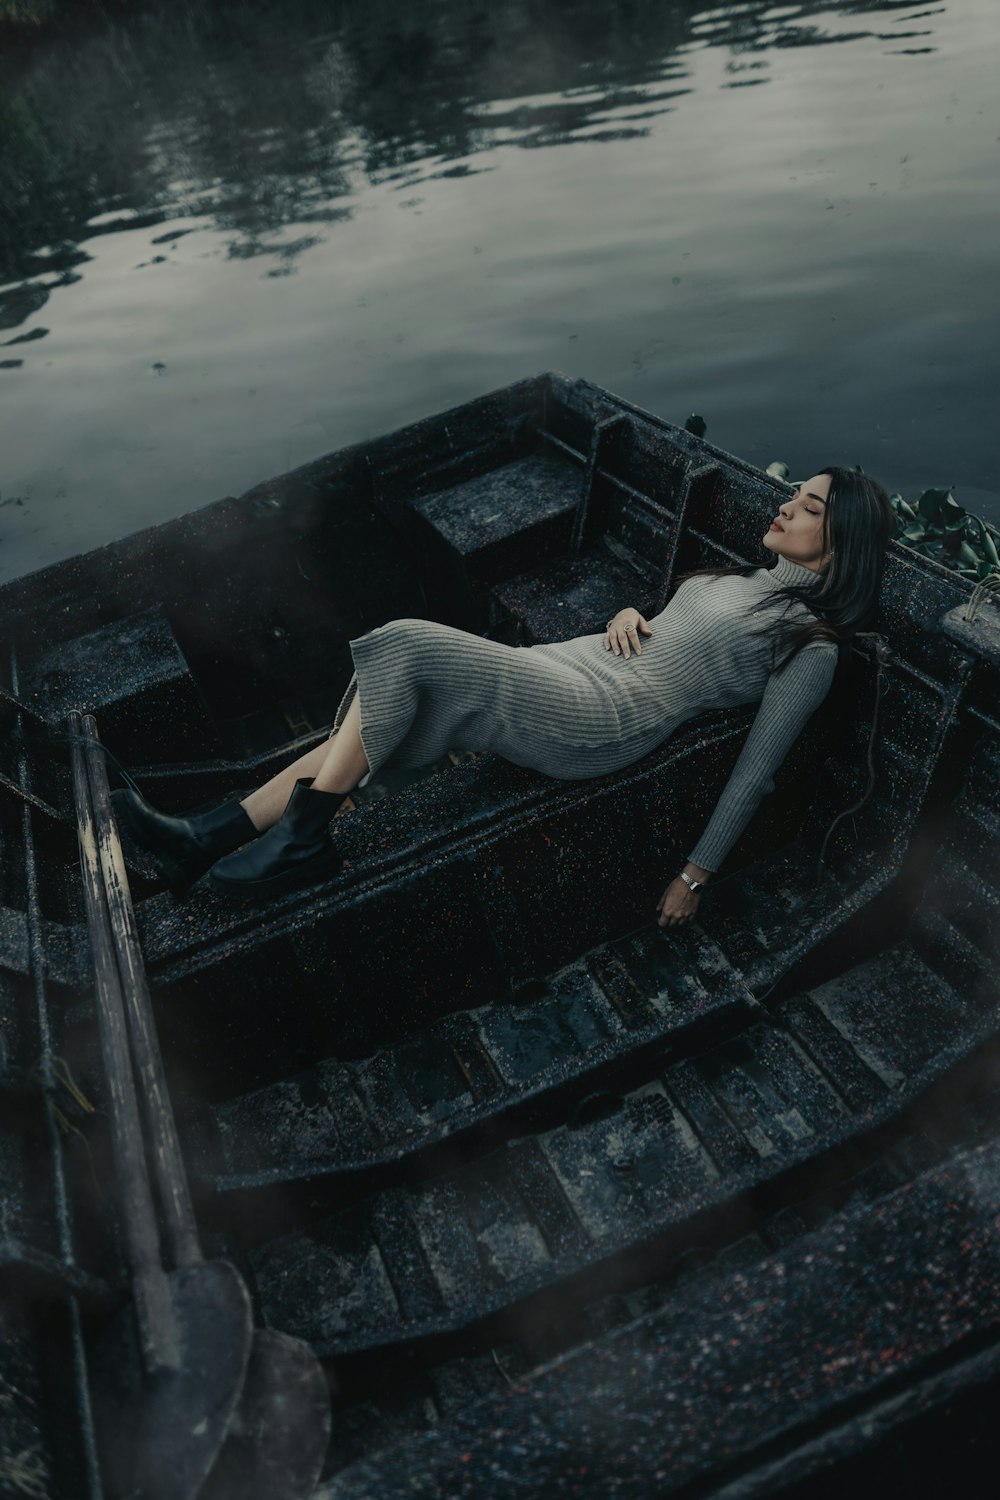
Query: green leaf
[
  {"x": 990, "y": 549},
  {"x": 915, "y": 533},
  {"x": 696, "y": 425},
  {"x": 777, "y": 470},
  {"x": 931, "y": 504},
  {"x": 968, "y": 555}
]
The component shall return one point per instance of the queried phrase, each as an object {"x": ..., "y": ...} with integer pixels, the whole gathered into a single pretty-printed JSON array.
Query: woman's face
[{"x": 797, "y": 530}]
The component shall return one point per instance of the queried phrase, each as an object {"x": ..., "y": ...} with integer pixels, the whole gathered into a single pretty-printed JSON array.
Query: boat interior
[{"x": 466, "y": 1120}]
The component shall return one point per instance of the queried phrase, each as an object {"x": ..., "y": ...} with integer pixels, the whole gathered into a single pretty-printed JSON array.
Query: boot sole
[{"x": 288, "y": 880}]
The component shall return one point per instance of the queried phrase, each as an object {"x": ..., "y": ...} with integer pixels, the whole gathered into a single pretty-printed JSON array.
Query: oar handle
[
  {"x": 171, "y": 1179},
  {"x": 140, "y": 1235}
]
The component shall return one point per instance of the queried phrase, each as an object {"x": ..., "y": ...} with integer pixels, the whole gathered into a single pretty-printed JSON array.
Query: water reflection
[
  {"x": 257, "y": 134},
  {"x": 251, "y": 116},
  {"x": 254, "y": 117}
]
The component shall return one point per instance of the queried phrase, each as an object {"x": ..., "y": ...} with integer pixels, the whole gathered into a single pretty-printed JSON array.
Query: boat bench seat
[
  {"x": 759, "y": 1350},
  {"x": 622, "y": 554},
  {"x": 493, "y": 524},
  {"x": 574, "y": 595},
  {"x": 134, "y": 676},
  {"x": 547, "y": 549}
]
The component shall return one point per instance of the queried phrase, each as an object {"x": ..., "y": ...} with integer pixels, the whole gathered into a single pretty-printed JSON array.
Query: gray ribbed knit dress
[{"x": 573, "y": 709}]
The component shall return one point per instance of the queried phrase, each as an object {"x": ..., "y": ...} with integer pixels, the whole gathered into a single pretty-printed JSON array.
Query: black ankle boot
[
  {"x": 183, "y": 848},
  {"x": 297, "y": 850}
]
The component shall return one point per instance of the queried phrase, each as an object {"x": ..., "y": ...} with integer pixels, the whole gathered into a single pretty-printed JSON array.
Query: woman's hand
[
  {"x": 677, "y": 905},
  {"x": 622, "y": 633}
]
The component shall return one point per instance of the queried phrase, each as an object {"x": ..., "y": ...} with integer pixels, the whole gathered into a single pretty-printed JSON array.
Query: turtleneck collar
[{"x": 786, "y": 573}]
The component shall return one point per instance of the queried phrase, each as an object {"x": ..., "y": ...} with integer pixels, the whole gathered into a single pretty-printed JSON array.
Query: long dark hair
[{"x": 858, "y": 524}]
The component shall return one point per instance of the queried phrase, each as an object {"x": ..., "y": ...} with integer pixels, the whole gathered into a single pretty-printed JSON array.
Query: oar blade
[
  {"x": 280, "y": 1431},
  {"x": 159, "y": 1436}
]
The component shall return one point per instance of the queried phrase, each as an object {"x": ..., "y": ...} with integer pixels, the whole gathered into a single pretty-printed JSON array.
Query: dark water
[{"x": 233, "y": 237}]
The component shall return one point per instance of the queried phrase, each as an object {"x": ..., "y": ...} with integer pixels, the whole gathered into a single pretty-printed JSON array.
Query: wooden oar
[
  {"x": 278, "y": 1435},
  {"x": 170, "y": 1366}
]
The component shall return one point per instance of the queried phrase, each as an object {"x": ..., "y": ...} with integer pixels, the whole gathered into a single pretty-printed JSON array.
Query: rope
[{"x": 983, "y": 589}]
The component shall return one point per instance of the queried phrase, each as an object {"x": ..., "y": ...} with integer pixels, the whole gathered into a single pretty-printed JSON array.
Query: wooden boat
[{"x": 566, "y": 1204}]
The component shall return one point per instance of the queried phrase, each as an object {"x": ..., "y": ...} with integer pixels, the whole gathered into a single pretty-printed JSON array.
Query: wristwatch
[{"x": 695, "y": 885}]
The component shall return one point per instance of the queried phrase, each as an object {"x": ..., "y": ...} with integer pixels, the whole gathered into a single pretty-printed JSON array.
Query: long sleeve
[{"x": 790, "y": 697}]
